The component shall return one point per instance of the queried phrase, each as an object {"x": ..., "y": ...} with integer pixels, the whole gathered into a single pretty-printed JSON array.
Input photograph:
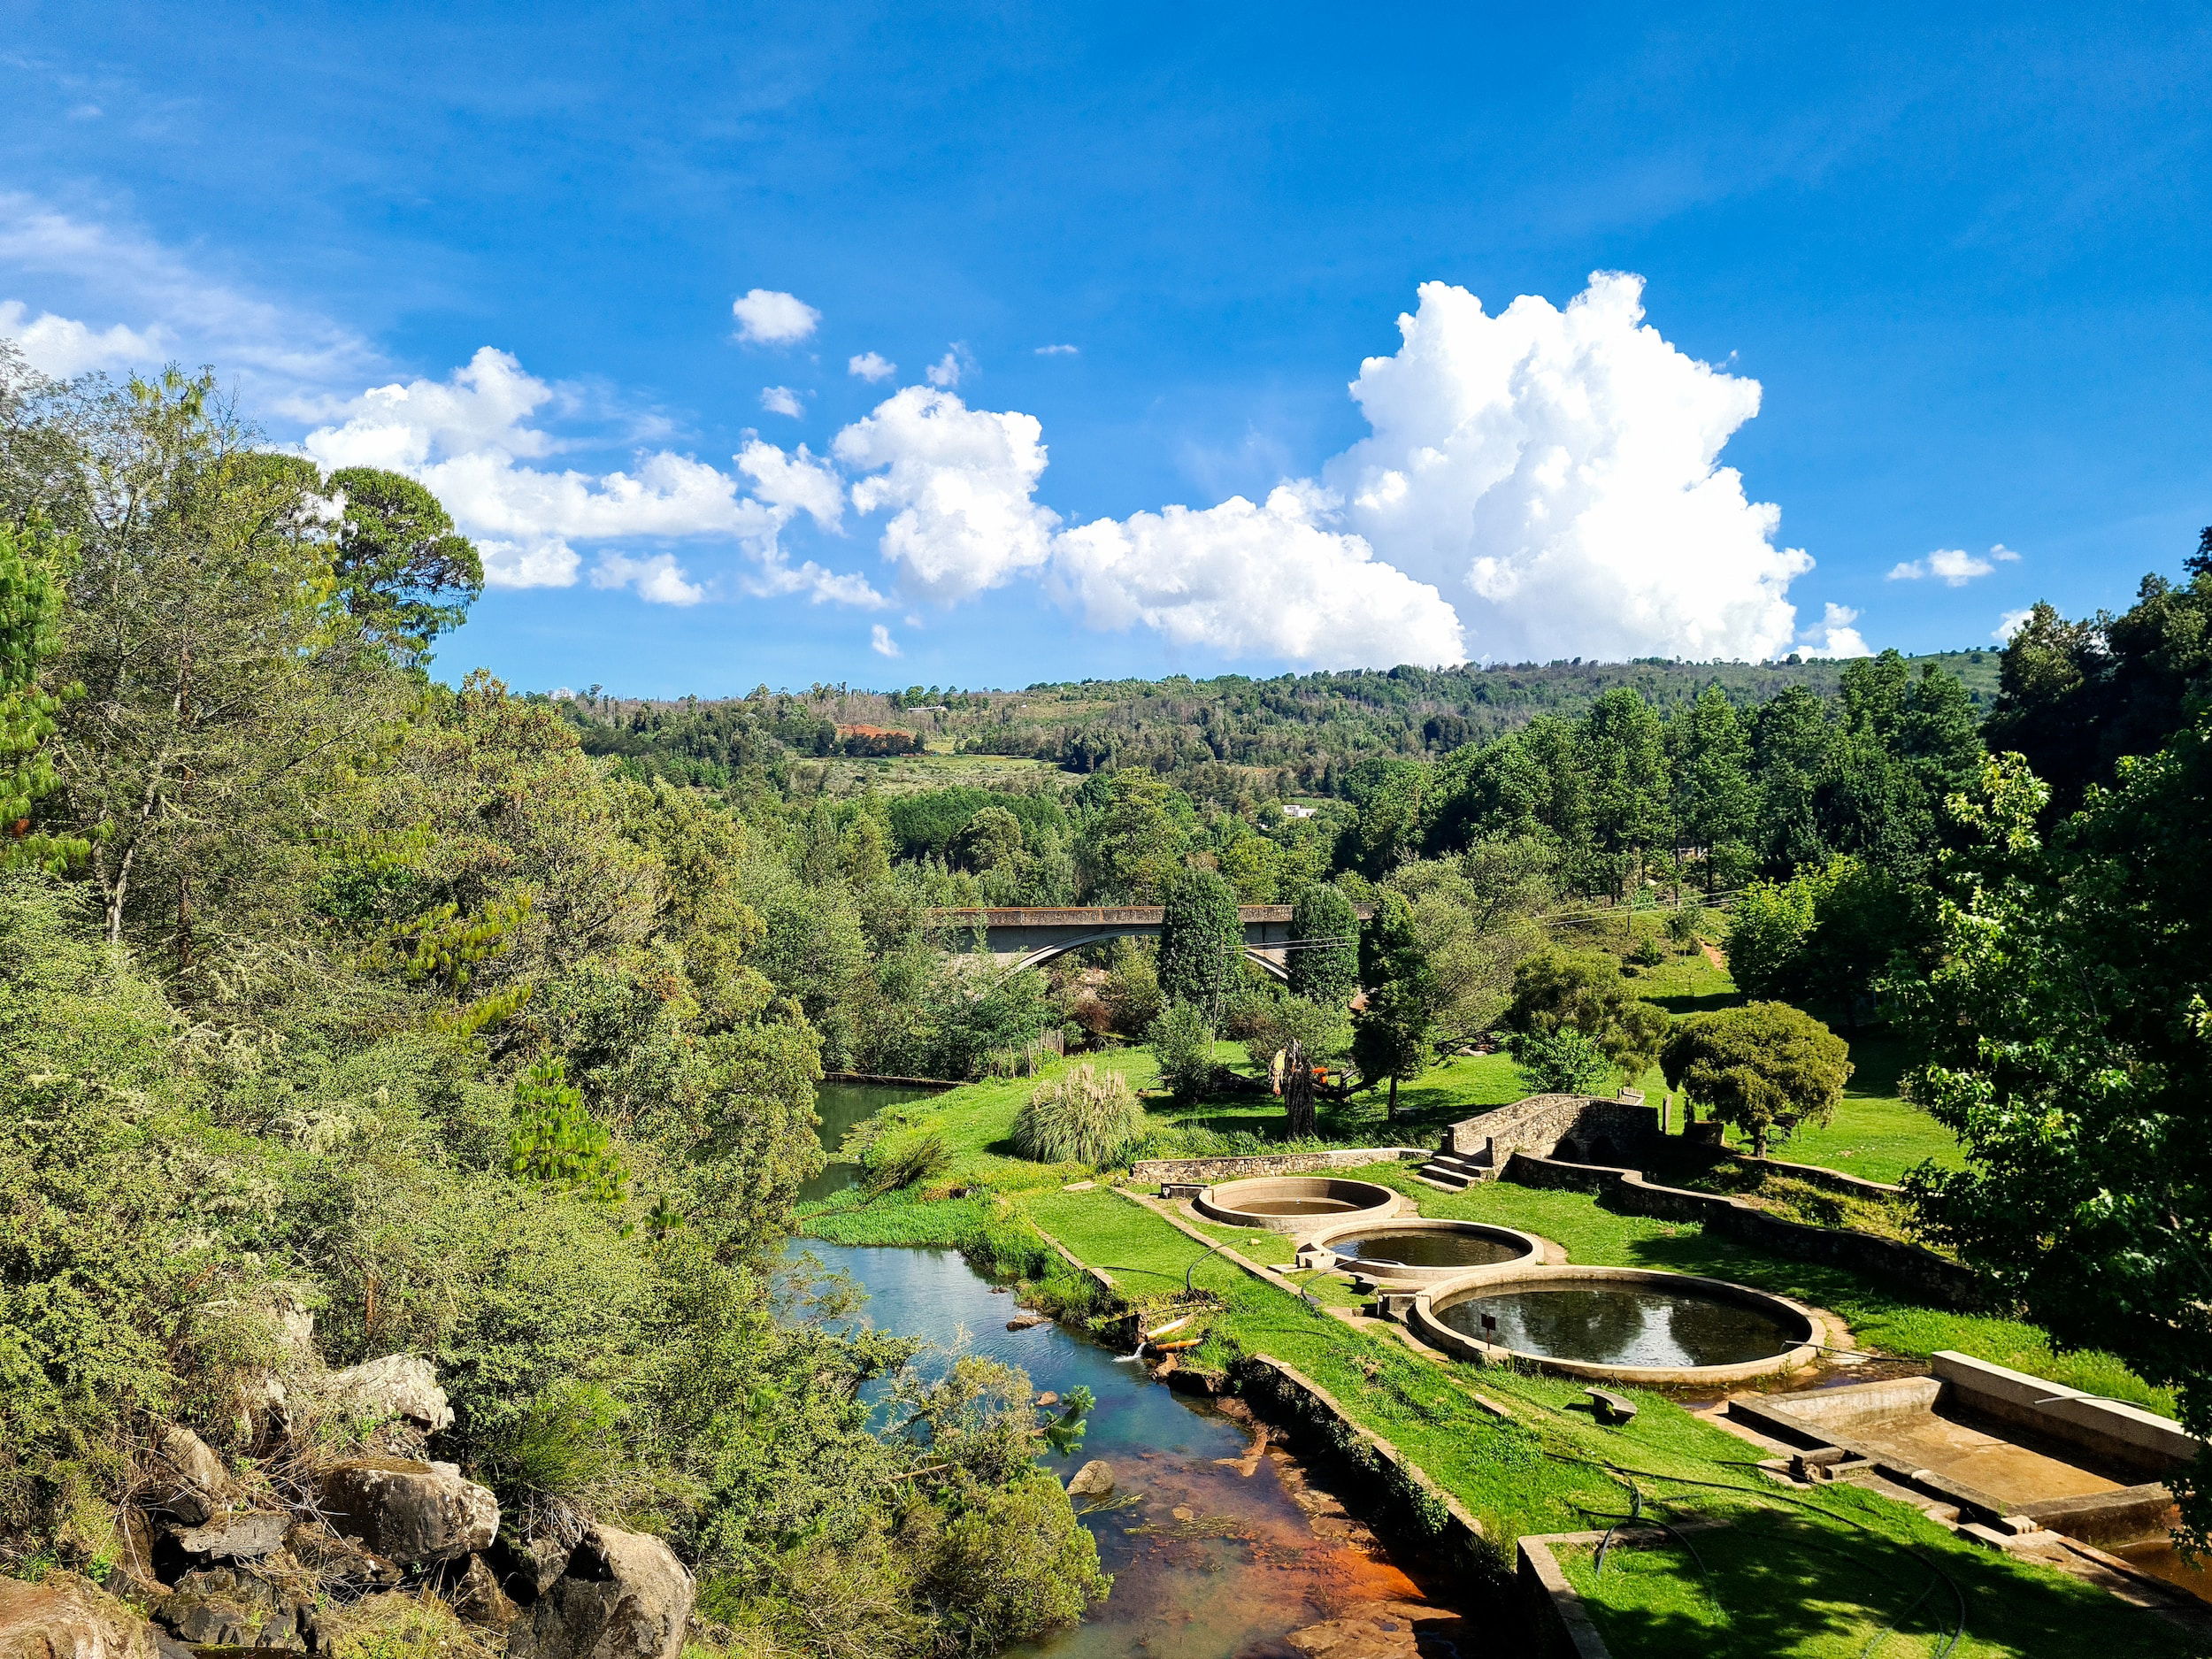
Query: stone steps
[{"x": 1453, "y": 1173}]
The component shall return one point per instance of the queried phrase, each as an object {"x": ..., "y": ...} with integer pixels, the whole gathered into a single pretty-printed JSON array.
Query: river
[{"x": 1222, "y": 1546}]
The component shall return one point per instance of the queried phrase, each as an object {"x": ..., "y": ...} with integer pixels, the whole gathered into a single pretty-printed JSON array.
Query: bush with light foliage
[{"x": 1082, "y": 1116}]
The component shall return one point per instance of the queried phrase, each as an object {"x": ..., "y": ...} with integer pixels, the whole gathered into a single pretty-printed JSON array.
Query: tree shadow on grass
[{"x": 1778, "y": 1582}]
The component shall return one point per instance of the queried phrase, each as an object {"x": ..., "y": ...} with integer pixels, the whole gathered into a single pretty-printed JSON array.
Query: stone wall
[
  {"x": 1584, "y": 1125},
  {"x": 1911, "y": 1268},
  {"x": 1206, "y": 1171},
  {"x": 1833, "y": 1181}
]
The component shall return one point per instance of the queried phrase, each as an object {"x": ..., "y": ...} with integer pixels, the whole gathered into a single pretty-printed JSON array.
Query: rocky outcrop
[
  {"x": 193, "y": 1482},
  {"x": 399, "y": 1386},
  {"x": 341, "y": 1564},
  {"x": 410, "y": 1512},
  {"x": 64, "y": 1616},
  {"x": 477, "y": 1597},
  {"x": 240, "y": 1535},
  {"x": 623, "y": 1596},
  {"x": 229, "y": 1607}
]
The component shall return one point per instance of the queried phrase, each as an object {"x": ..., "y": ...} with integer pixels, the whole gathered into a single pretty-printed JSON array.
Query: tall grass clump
[{"x": 1083, "y": 1116}]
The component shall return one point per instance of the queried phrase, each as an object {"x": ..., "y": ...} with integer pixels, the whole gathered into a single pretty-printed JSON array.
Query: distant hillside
[{"x": 1301, "y": 729}]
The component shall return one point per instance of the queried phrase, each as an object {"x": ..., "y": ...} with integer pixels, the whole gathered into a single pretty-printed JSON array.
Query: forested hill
[{"x": 1307, "y": 727}]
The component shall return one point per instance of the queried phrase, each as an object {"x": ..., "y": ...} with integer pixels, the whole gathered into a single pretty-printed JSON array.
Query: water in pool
[
  {"x": 1621, "y": 1324},
  {"x": 1427, "y": 1246},
  {"x": 1293, "y": 1206},
  {"x": 1227, "y": 1552}
]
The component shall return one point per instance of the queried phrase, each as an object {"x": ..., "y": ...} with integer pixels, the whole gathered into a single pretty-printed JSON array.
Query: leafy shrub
[
  {"x": 1562, "y": 1062},
  {"x": 1649, "y": 951},
  {"x": 556, "y": 1143},
  {"x": 1685, "y": 925},
  {"x": 563, "y": 1445},
  {"x": 1083, "y": 1116},
  {"x": 1182, "y": 1040}
]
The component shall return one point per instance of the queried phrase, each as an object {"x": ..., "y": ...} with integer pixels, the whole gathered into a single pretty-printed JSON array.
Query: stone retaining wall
[
  {"x": 1912, "y": 1268},
  {"x": 1585, "y": 1125},
  {"x": 1206, "y": 1171},
  {"x": 1818, "y": 1175},
  {"x": 1291, "y": 1399}
]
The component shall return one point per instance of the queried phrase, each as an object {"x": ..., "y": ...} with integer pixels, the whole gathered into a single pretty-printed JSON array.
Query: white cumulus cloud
[
  {"x": 1246, "y": 580},
  {"x": 1559, "y": 469},
  {"x": 880, "y": 643},
  {"x": 945, "y": 372},
  {"x": 657, "y": 578},
  {"x": 768, "y": 317},
  {"x": 1835, "y": 636},
  {"x": 871, "y": 365},
  {"x": 958, "y": 482},
  {"x": 781, "y": 400},
  {"x": 64, "y": 347},
  {"x": 1952, "y": 566},
  {"x": 2010, "y": 624}
]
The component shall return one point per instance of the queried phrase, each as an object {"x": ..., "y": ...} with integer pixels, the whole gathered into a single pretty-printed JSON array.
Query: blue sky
[{"x": 1962, "y": 252}]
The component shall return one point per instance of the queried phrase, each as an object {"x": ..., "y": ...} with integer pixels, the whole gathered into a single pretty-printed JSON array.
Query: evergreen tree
[
  {"x": 402, "y": 571},
  {"x": 1201, "y": 940},
  {"x": 1714, "y": 801},
  {"x": 1625, "y": 761},
  {"x": 30, "y": 616},
  {"x": 1763, "y": 1068},
  {"x": 1324, "y": 957},
  {"x": 1390, "y": 1038}
]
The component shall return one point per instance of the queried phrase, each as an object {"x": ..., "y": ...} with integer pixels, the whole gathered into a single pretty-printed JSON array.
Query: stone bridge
[{"x": 1031, "y": 936}]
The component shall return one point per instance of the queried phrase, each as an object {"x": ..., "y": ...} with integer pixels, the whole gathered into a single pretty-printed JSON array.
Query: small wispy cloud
[
  {"x": 880, "y": 643},
  {"x": 781, "y": 400},
  {"x": 946, "y": 372},
  {"x": 871, "y": 365},
  {"x": 1952, "y": 566},
  {"x": 1836, "y": 636},
  {"x": 1058, "y": 351},
  {"x": 659, "y": 580}
]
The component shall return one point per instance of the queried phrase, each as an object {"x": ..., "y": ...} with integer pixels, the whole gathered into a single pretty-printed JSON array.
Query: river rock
[
  {"x": 240, "y": 1535},
  {"x": 623, "y": 1596},
  {"x": 230, "y": 1606},
  {"x": 64, "y": 1616},
  {"x": 198, "y": 1480},
  {"x": 1094, "y": 1480},
  {"x": 397, "y": 1385},
  {"x": 410, "y": 1512},
  {"x": 1028, "y": 1321}
]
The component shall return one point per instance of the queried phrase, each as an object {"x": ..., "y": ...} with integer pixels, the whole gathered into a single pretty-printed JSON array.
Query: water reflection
[
  {"x": 1220, "y": 1547},
  {"x": 842, "y": 1106},
  {"x": 1621, "y": 1325}
]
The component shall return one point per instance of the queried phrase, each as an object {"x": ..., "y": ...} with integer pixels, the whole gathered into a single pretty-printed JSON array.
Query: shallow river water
[{"x": 1220, "y": 1545}]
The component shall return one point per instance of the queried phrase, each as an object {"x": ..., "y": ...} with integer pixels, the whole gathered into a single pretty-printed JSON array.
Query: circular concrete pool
[
  {"x": 1625, "y": 1324},
  {"x": 1411, "y": 1251},
  {"x": 1294, "y": 1203}
]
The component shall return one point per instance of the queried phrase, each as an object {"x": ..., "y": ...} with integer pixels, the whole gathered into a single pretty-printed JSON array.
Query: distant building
[{"x": 1294, "y": 810}]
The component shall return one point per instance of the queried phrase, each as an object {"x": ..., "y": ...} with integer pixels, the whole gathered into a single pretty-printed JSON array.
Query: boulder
[
  {"x": 64, "y": 1616},
  {"x": 239, "y": 1535},
  {"x": 194, "y": 1480},
  {"x": 410, "y": 1512},
  {"x": 623, "y": 1596},
  {"x": 476, "y": 1596},
  {"x": 1094, "y": 1480},
  {"x": 528, "y": 1566},
  {"x": 228, "y": 1607},
  {"x": 397, "y": 1385},
  {"x": 340, "y": 1563}
]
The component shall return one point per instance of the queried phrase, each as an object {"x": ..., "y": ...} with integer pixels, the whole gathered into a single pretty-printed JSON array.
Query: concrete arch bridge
[{"x": 1030, "y": 936}]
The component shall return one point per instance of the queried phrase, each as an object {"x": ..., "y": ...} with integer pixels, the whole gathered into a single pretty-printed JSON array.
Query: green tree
[
  {"x": 1763, "y": 1068},
  {"x": 1388, "y": 797},
  {"x": 1324, "y": 965},
  {"x": 1201, "y": 940},
  {"x": 1390, "y": 1038},
  {"x": 1561, "y": 1062},
  {"x": 1624, "y": 760},
  {"x": 403, "y": 572},
  {"x": 31, "y": 560},
  {"x": 1182, "y": 1043},
  {"x": 1131, "y": 829},
  {"x": 1554, "y": 989},
  {"x": 2066, "y": 1028},
  {"x": 1715, "y": 803},
  {"x": 557, "y": 1143},
  {"x": 1791, "y": 743}
]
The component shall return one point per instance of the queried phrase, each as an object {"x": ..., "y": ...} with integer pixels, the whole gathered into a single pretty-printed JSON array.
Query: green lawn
[
  {"x": 1782, "y": 1581},
  {"x": 1875, "y": 1132}
]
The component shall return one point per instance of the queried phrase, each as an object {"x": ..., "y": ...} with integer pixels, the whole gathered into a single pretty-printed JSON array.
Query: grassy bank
[{"x": 1775, "y": 1578}]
